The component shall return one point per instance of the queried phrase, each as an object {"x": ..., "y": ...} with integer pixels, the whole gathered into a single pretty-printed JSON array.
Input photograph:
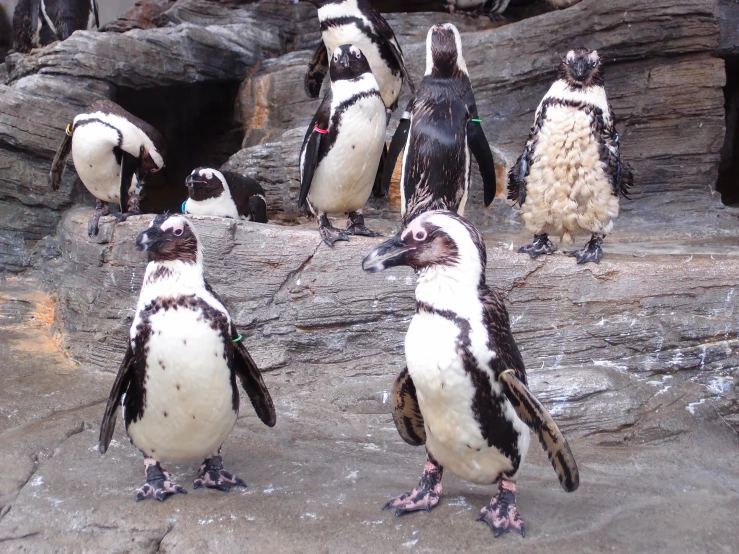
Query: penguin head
[
  {"x": 437, "y": 239},
  {"x": 347, "y": 62},
  {"x": 150, "y": 162},
  {"x": 444, "y": 52},
  {"x": 171, "y": 237},
  {"x": 582, "y": 68},
  {"x": 204, "y": 183}
]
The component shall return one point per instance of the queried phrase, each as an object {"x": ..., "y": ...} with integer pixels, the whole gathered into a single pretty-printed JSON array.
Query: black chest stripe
[{"x": 487, "y": 406}]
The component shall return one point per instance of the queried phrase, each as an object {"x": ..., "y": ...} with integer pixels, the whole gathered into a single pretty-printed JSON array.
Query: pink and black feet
[
  {"x": 328, "y": 232},
  {"x": 592, "y": 252},
  {"x": 541, "y": 245},
  {"x": 213, "y": 476},
  {"x": 356, "y": 226},
  {"x": 102, "y": 208},
  {"x": 158, "y": 483},
  {"x": 502, "y": 514},
  {"x": 425, "y": 496}
]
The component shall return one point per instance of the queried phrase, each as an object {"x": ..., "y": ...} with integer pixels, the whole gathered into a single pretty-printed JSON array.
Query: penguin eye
[
  {"x": 357, "y": 54},
  {"x": 178, "y": 232},
  {"x": 420, "y": 235}
]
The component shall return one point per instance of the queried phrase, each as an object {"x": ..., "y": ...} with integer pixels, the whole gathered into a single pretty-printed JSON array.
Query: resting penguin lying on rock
[
  {"x": 570, "y": 176},
  {"x": 463, "y": 393},
  {"x": 114, "y": 152},
  {"x": 179, "y": 372},
  {"x": 220, "y": 193},
  {"x": 41, "y": 22}
]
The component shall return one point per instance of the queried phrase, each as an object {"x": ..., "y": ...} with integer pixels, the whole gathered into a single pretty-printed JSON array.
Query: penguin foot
[
  {"x": 212, "y": 475},
  {"x": 592, "y": 252},
  {"x": 158, "y": 484},
  {"x": 329, "y": 233},
  {"x": 502, "y": 514},
  {"x": 134, "y": 200},
  {"x": 101, "y": 209},
  {"x": 425, "y": 496},
  {"x": 356, "y": 227},
  {"x": 541, "y": 245}
]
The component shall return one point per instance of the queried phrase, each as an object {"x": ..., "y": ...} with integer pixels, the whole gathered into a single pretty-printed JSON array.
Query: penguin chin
[{"x": 391, "y": 253}]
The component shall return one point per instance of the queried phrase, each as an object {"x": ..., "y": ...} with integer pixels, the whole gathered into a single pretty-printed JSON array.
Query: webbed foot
[
  {"x": 329, "y": 233},
  {"x": 356, "y": 227},
  {"x": 502, "y": 514},
  {"x": 158, "y": 484},
  {"x": 213, "y": 476},
  {"x": 541, "y": 245},
  {"x": 592, "y": 252},
  {"x": 134, "y": 201},
  {"x": 425, "y": 496},
  {"x": 101, "y": 209}
]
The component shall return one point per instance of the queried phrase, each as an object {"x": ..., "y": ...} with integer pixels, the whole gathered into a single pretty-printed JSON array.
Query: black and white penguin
[
  {"x": 570, "y": 176},
  {"x": 438, "y": 130},
  {"x": 114, "y": 152},
  {"x": 179, "y": 372},
  {"x": 463, "y": 393},
  {"x": 220, "y": 193},
  {"x": 356, "y": 22},
  {"x": 476, "y": 8},
  {"x": 41, "y": 22},
  {"x": 342, "y": 148}
]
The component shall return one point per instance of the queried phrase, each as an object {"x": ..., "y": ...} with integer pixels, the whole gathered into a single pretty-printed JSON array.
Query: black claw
[
  {"x": 593, "y": 251},
  {"x": 213, "y": 476},
  {"x": 541, "y": 245},
  {"x": 356, "y": 226},
  {"x": 329, "y": 233}
]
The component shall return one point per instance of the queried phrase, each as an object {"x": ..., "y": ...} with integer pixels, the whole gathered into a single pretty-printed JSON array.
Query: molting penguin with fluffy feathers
[
  {"x": 571, "y": 174},
  {"x": 178, "y": 376},
  {"x": 464, "y": 392},
  {"x": 438, "y": 131}
]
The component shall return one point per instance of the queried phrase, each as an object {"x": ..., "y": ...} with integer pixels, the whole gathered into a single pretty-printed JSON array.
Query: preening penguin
[
  {"x": 438, "y": 130},
  {"x": 41, "y": 22},
  {"x": 114, "y": 152},
  {"x": 179, "y": 372},
  {"x": 464, "y": 393},
  {"x": 356, "y": 22},
  {"x": 570, "y": 176},
  {"x": 343, "y": 145},
  {"x": 220, "y": 193}
]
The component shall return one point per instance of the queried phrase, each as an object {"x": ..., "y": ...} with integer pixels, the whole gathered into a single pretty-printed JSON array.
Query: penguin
[
  {"x": 476, "y": 8},
  {"x": 114, "y": 152},
  {"x": 571, "y": 174},
  {"x": 463, "y": 393},
  {"x": 177, "y": 381},
  {"x": 224, "y": 194},
  {"x": 342, "y": 147},
  {"x": 40, "y": 22},
  {"x": 357, "y": 22},
  {"x": 438, "y": 130}
]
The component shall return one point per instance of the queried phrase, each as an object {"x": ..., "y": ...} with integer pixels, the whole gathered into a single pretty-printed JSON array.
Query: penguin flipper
[
  {"x": 386, "y": 31},
  {"x": 310, "y": 160},
  {"x": 258, "y": 209},
  {"x": 120, "y": 386},
  {"x": 533, "y": 414},
  {"x": 406, "y": 412},
  {"x": 480, "y": 148},
  {"x": 95, "y": 12},
  {"x": 377, "y": 190},
  {"x": 520, "y": 170},
  {"x": 400, "y": 138},
  {"x": 317, "y": 69},
  {"x": 251, "y": 380},
  {"x": 620, "y": 172},
  {"x": 128, "y": 169},
  {"x": 60, "y": 162}
]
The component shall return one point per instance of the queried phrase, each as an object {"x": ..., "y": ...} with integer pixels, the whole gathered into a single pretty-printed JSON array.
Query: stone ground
[{"x": 668, "y": 480}]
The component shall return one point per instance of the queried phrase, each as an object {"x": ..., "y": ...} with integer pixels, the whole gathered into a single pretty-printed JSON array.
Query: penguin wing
[
  {"x": 129, "y": 164},
  {"x": 312, "y": 146},
  {"x": 243, "y": 189},
  {"x": 60, "y": 161},
  {"x": 533, "y": 414},
  {"x": 498, "y": 325},
  {"x": 386, "y": 32},
  {"x": 520, "y": 170},
  {"x": 120, "y": 386},
  {"x": 406, "y": 412},
  {"x": 400, "y": 138},
  {"x": 478, "y": 144},
  {"x": 251, "y": 380},
  {"x": 317, "y": 69},
  {"x": 95, "y": 12},
  {"x": 620, "y": 172}
]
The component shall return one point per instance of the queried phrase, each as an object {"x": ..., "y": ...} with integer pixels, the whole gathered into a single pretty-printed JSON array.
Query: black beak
[
  {"x": 579, "y": 69},
  {"x": 150, "y": 240},
  {"x": 192, "y": 182},
  {"x": 345, "y": 59},
  {"x": 391, "y": 253}
]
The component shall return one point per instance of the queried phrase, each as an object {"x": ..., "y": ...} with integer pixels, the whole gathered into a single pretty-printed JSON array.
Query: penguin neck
[
  {"x": 591, "y": 96},
  {"x": 445, "y": 288},
  {"x": 172, "y": 278}
]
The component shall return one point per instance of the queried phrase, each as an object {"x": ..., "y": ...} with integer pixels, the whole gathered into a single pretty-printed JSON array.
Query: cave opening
[
  {"x": 198, "y": 124},
  {"x": 728, "y": 173}
]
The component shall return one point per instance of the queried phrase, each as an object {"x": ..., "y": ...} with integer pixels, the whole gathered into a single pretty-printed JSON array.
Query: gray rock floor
[{"x": 317, "y": 480}]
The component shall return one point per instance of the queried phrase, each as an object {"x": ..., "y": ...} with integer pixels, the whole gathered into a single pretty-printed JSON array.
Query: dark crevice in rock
[
  {"x": 728, "y": 176},
  {"x": 291, "y": 275},
  {"x": 197, "y": 122}
]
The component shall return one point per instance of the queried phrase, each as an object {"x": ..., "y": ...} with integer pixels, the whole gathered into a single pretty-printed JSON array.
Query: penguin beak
[
  {"x": 344, "y": 59},
  {"x": 391, "y": 253},
  {"x": 192, "y": 182},
  {"x": 150, "y": 240},
  {"x": 579, "y": 69}
]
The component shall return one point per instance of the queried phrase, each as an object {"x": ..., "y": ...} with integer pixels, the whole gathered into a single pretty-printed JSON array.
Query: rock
[{"x": 140, "y": 16}]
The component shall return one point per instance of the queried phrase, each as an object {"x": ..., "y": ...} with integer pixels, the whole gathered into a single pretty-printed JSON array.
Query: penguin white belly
[
  {"x": 188, "y": 412},
  {"x": 343, "y": 180},
  {"x": 221, "y": 206},
  {"x": 445, "y": 394},
  {"x": 94, "y": 161},
  {"x": 567, "y": 190},
  {"x": 388, "y": 83}
]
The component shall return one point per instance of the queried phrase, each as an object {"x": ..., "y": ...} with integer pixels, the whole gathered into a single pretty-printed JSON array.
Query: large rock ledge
[{"x": 604, "y": 344}]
